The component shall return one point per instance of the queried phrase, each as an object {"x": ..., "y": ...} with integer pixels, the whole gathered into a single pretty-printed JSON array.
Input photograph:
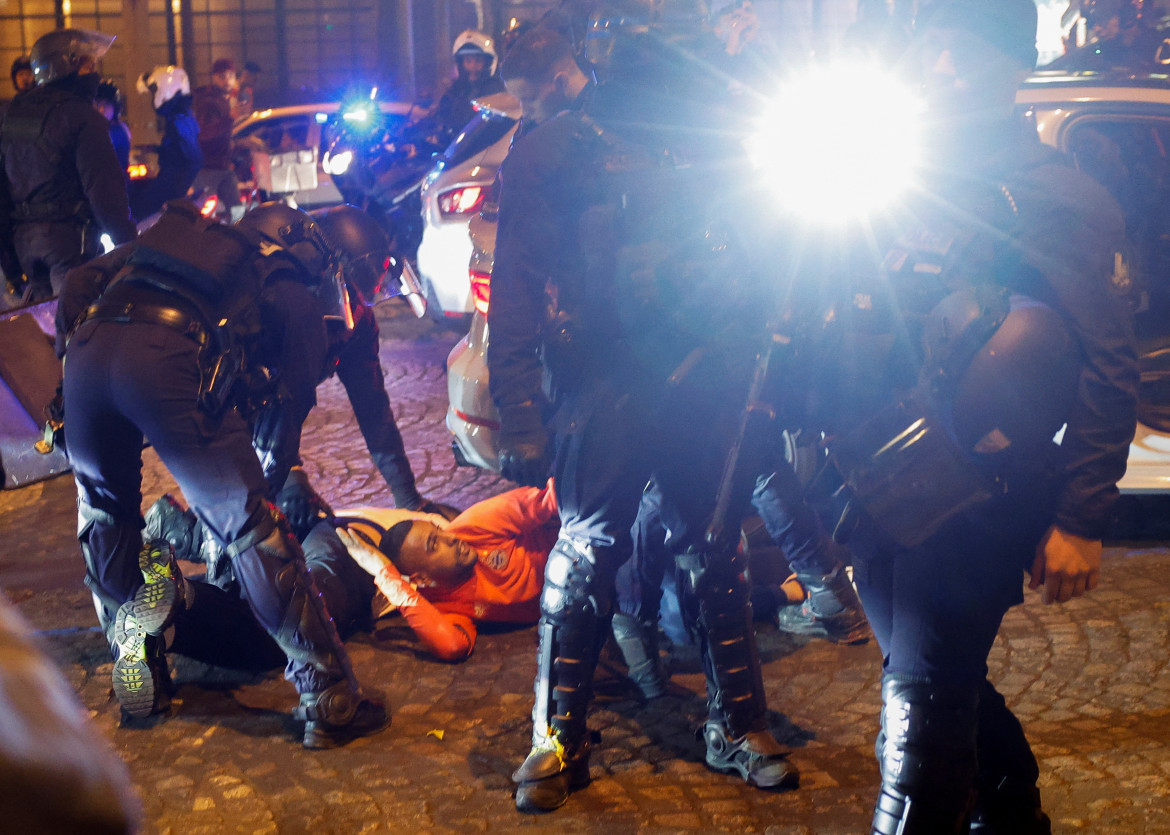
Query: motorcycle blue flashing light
[{"x": 839, "y": 142}]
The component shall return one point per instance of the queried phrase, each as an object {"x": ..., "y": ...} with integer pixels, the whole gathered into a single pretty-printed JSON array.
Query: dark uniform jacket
[
  {"x": 292, "y": 346},
  {"x": 59, "y": 162},
  {"x": 179, "y": 158}
]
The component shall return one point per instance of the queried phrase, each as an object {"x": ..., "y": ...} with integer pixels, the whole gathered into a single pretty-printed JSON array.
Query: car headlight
[
  {"x": 334, "y": 164},
  {"x": 838, "y": 142}
]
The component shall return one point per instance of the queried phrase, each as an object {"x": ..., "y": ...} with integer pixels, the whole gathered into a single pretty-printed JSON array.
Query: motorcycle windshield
[{"x": 485, "y": 130}]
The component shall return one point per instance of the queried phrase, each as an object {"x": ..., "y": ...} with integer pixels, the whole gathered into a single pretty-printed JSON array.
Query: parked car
[
  {"x": 290, "y": 138},
  {"x": 471, "y": 414},
  {"x": 1114, "y": 125},
  {"x": 454, "y": 192}
]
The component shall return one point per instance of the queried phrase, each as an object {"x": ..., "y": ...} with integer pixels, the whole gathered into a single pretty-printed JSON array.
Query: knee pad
[
  {"x": 929, "y": 739},
  {"x": 575, "y": 585}
]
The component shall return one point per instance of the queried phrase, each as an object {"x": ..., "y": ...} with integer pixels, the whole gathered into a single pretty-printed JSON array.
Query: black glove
[
  {"x": 300, "y": 503},
  {"x": 525, "y": 453}
]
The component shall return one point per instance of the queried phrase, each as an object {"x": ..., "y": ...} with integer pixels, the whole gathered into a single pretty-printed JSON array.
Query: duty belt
[
  {"x": 154, "y": 314},
  {"x": 58, "y": 211}
]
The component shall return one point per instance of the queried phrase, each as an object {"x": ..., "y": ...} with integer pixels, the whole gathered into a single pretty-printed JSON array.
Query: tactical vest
[
  {"x": 50, "y": 190},
  {"x": 207, "y": 267}
]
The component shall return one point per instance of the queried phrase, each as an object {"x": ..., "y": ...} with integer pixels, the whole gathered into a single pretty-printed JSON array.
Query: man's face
[
  {"x": 24, "y": 81},
  {"x": 965, "y": 78},
  {"x": 538, "y": 101},
  {"x": 430, "y": 551},
  {"x": 474, "y": 66},
  {"x": 225, "y": 80}
]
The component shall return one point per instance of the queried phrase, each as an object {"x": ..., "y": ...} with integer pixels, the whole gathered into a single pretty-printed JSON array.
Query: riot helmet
[
  {"x": 284, "y": 232},
  {"x": 361, "y": 245},
  {"x": 471, "y": 43},
  {"x": 64, "y": 52},
  {"x": 512, "y": 33},
  {"x": 164, "y": 83}
]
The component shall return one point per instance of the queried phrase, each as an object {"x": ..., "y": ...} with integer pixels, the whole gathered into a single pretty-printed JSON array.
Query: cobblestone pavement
[{"x": 1089, "y": 680}]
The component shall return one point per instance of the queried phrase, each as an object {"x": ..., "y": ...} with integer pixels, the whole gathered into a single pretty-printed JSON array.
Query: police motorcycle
[{"x": 378, "y": 162}]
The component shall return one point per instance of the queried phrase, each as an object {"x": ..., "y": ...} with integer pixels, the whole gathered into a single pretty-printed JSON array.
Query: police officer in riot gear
[
  {"x": 644, "y": 381},
  {"x": 62, "y": 185},
  {"x": 184, "y": 333},
  {"x": 1028, "y": 335}
]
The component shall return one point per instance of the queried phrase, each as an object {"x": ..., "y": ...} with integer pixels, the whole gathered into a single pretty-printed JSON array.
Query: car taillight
[
  {"x": 209, "y": 206},
  {"x": 481, "y": 290},
  {"x": 465, "y": 200}
]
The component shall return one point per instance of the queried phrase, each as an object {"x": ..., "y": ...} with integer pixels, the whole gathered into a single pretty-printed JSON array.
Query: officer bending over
[{"x": 190, "y": 327}]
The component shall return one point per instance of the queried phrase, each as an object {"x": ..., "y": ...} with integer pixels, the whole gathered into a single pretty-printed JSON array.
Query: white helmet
[
  {"x": 164, "y": 83},
  {"x": 471, "y": 42}
]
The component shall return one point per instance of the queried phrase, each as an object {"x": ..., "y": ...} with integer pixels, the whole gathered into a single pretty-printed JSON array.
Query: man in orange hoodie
[{"x": 485, "y": 565}]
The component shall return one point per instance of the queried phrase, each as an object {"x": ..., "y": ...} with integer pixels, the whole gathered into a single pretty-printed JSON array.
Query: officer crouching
[{"x": 182, "y": 335}]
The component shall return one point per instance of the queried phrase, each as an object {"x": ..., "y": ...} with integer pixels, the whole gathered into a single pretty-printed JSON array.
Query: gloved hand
[
  {"x": 525, "y": 453},
  {"x": 300, "y": 503},
  {"x": 389, "y": 580}
]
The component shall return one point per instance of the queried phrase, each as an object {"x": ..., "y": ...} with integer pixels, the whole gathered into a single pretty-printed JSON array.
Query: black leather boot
[{"x": 927, "y": 757}]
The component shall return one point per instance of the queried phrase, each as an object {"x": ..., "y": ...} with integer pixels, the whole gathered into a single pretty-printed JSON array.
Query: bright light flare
[
  {"x": 336, "y": 163},
  {"x": 839, "y": 142}
]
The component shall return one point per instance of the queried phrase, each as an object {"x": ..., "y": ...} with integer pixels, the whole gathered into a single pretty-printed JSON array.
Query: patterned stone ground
[{"x": 1089, "y": 680}]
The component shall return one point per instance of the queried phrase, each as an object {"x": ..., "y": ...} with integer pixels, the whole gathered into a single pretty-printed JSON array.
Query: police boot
[
  {"x": 269, "y": 565},
  {"x": 736, "y": 734},
  {"x": 1008, "y": 799},
  {"x": 638, "y": 643},
  {"x": 927, "y": 757},
  {"x": 339, "y": 715},
  {"x": 830, "y": 610},
  {"x": 575, "y": 605},
  {"x": 140, "y": 677}
]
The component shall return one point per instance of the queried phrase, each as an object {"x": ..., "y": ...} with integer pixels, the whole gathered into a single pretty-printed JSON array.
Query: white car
[
  {"x": 1115, "y": 126},
  {"x": 279, "y": 131},
  {"x": 454, "y": 192},
  {"x": 471, "y": 414}
]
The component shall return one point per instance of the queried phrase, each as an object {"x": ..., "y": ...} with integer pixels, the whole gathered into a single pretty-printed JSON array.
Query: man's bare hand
[
  {"x": 1066, "y": 565},
  {"x": 371, "y": 559}
]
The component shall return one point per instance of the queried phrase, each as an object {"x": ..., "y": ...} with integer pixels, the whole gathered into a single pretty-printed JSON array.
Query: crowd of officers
[{"x": 657, "y": 348}]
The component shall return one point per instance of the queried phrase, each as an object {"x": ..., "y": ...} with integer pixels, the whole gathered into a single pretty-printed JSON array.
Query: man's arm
[
  {"x": 292, "y": 311},
  {"x": 1072, "y": 244},
  {"x": 446, "y": 635},
  {"x": 360, "y": 372},
  {"x": 509, "y": 515},
  {"x": 103, "y": 180},
  {"x": 527, "y": 241}
]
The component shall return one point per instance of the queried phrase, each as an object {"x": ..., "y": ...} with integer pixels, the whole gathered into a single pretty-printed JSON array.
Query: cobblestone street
[{"x": 1088, "y": 680}]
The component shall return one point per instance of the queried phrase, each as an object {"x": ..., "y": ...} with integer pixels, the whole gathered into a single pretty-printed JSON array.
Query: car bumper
[
  {"x": 1148, "y": 468},
  {"x": 471, "y": 415}
]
